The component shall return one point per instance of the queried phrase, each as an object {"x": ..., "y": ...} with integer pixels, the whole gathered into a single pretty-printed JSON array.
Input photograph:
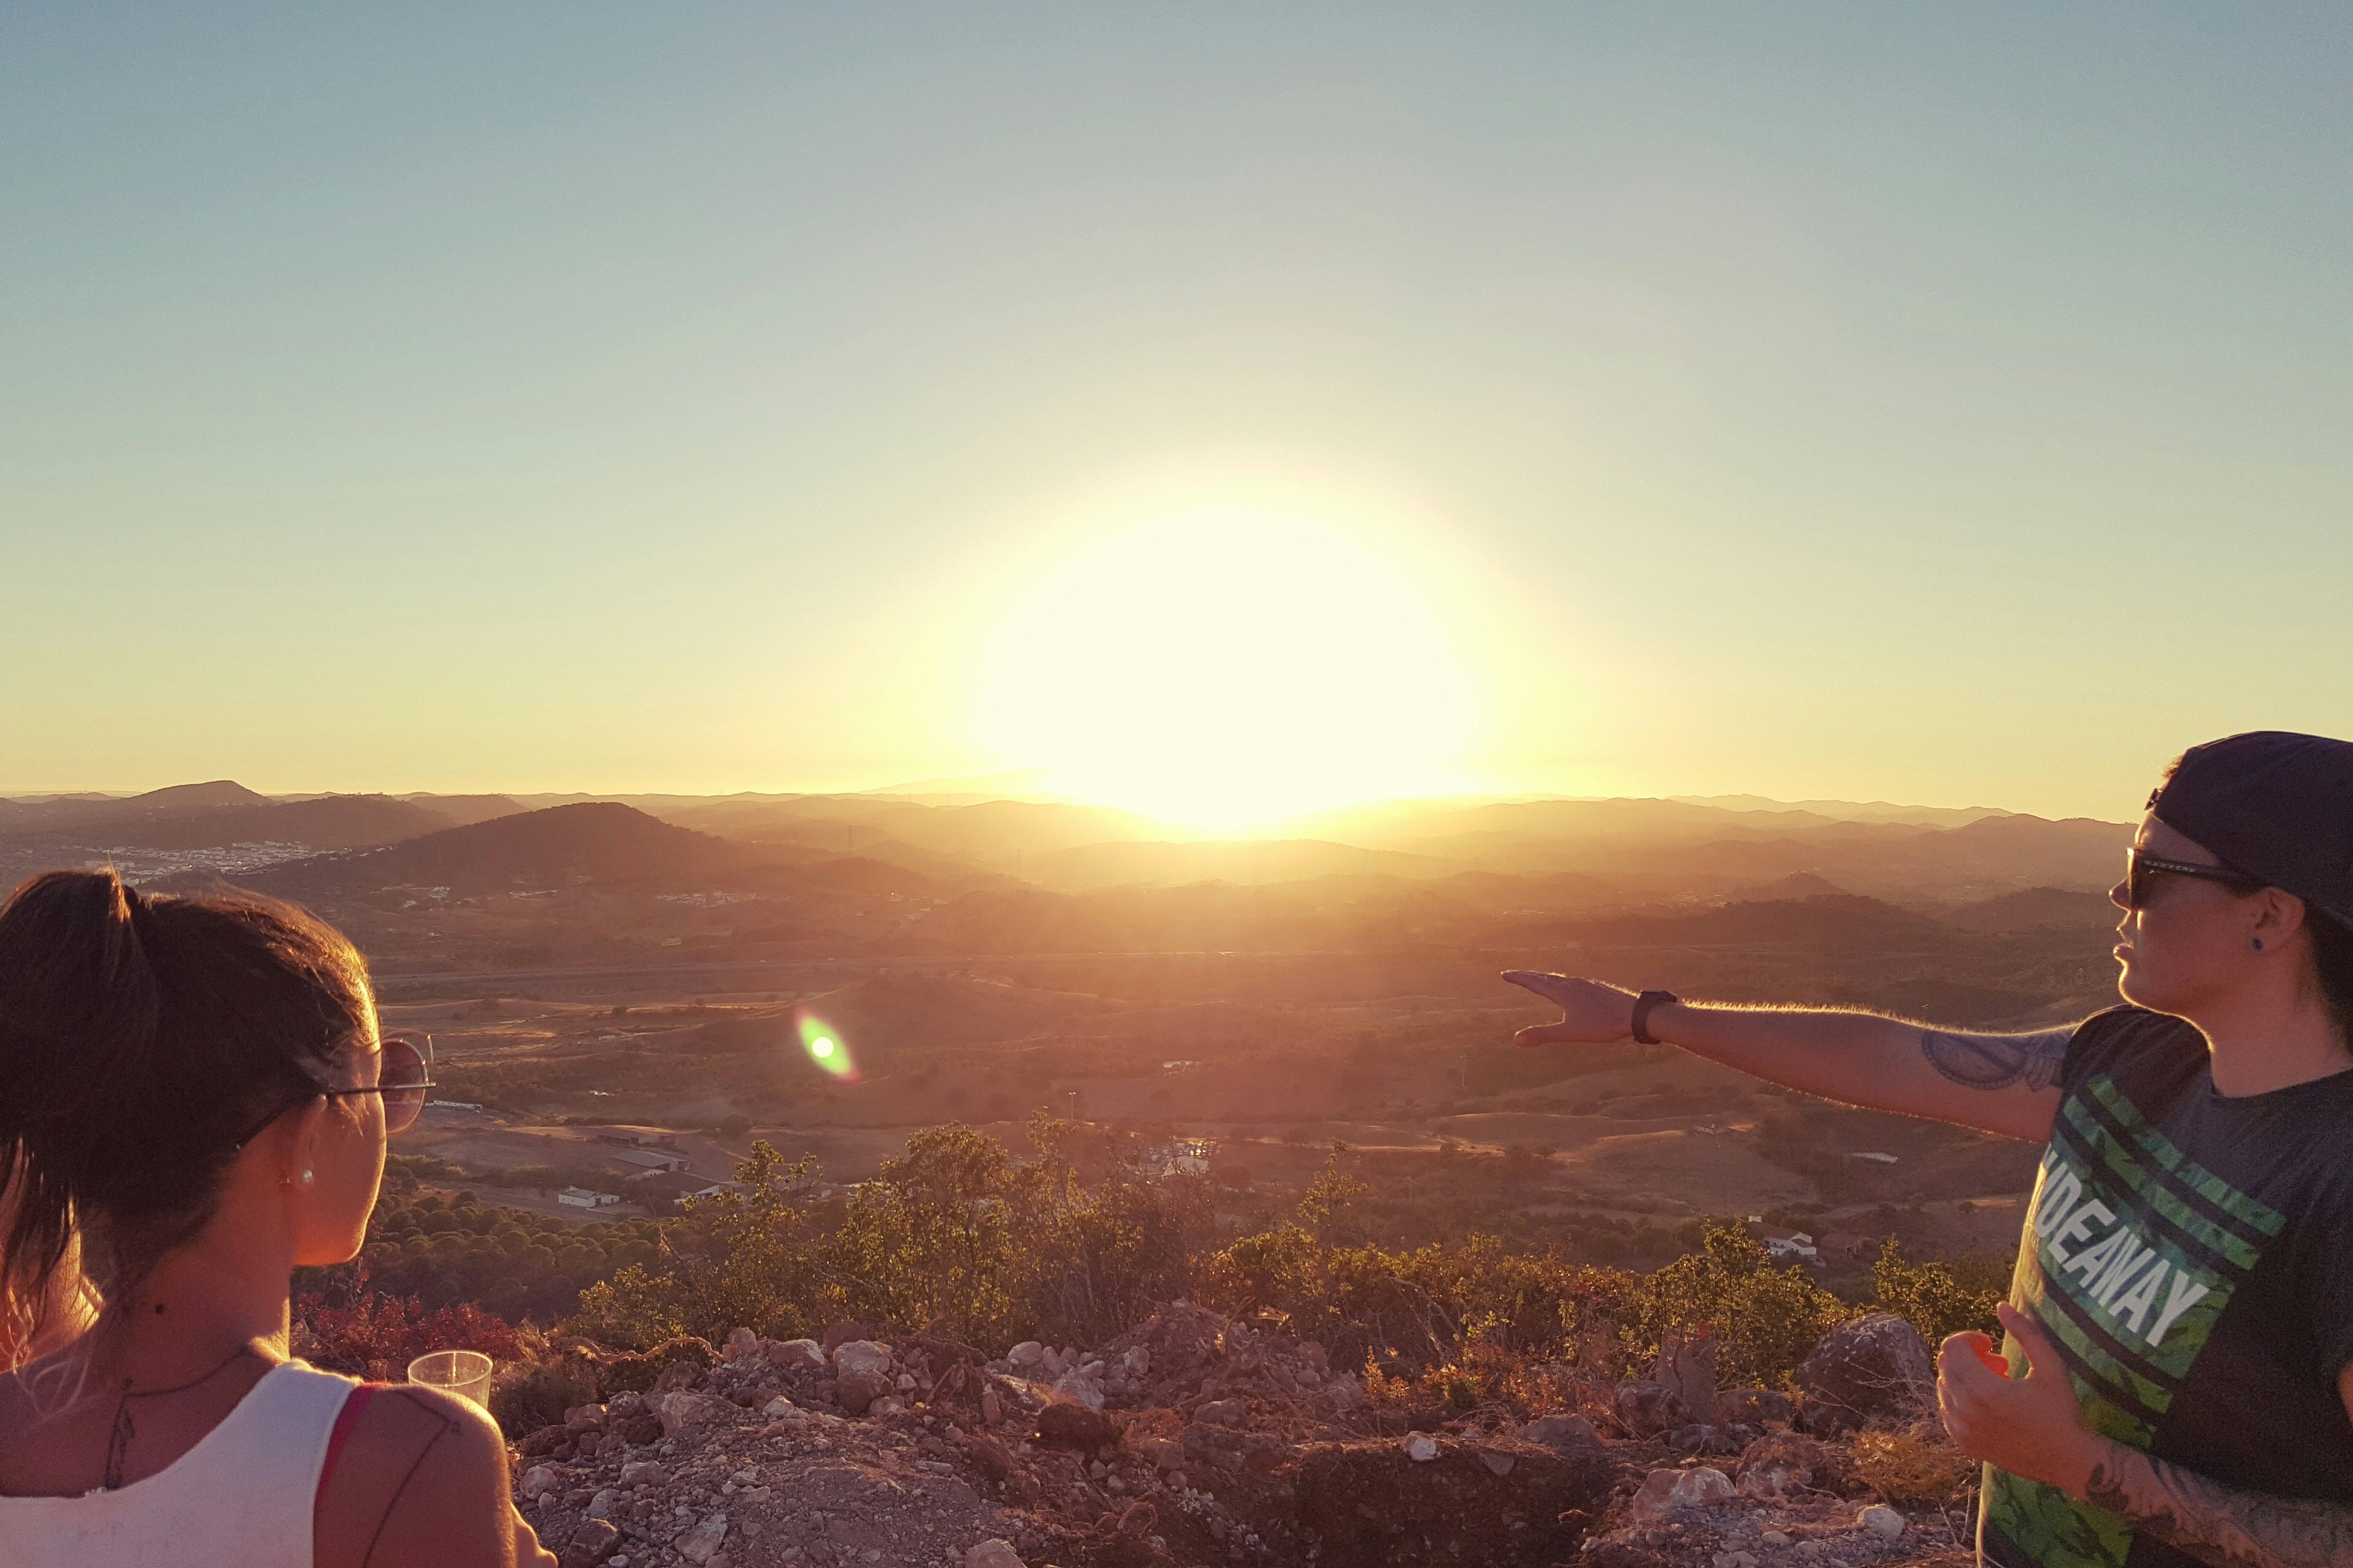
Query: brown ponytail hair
[{"x": 140, "y": 1038}]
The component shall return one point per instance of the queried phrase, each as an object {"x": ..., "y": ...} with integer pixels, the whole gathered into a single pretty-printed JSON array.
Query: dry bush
[{"x": 1908, "y": 1469}]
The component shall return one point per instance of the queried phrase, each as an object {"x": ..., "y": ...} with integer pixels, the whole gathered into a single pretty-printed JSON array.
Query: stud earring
[
  {"x": 2259, "y": 944},
  {"x": 309, "y": 1177}
]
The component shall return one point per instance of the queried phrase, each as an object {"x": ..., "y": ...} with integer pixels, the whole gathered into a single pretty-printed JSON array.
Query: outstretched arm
[
  {"x": 2006, "y": 1084},
  {"x": 2034, "y": 1426}
]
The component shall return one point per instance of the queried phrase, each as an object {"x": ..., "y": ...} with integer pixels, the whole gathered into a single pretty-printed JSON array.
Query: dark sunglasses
[
  {"x": 405, "y": 1072},
  {"x": 2140, "y": 867}
]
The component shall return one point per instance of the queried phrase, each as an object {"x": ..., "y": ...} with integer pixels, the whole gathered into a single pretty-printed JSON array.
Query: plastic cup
[{"x": 466, "y": 1372}]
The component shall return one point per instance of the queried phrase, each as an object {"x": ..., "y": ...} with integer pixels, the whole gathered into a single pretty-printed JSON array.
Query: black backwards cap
[{"x": 2273, "y": 803}]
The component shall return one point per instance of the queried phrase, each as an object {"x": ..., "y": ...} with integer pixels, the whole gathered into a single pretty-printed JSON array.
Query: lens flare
[{"x": 824, "y": 1045}]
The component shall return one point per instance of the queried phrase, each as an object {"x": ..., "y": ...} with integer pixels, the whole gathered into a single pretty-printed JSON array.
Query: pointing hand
[{"x": 1592, "y": 1014}]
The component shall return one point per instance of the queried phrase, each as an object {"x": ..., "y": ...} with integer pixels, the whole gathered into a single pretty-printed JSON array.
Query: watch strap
[{"x": 1643, "y": 1005}]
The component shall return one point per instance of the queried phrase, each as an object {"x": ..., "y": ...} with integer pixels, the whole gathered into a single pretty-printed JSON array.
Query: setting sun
[{"x": 1226, "y": 669}]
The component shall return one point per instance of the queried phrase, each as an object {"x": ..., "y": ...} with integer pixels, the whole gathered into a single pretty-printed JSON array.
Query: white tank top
[{"x": 241, "y": 1497}]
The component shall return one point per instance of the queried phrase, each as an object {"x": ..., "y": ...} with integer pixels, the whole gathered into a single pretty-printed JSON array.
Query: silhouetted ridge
[
  {"x": 596, "y": 841},
  {"x": 200, "y": 816},
  {"x": 2036, "y": 909},
  {"x": 197, "y": 796},
  {"x": 1828, "y": 919}
]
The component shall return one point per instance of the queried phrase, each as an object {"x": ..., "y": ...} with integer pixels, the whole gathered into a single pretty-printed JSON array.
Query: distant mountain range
[
  {"x": 1546, "y": 854},
  {"x": 193, "y": 816}
]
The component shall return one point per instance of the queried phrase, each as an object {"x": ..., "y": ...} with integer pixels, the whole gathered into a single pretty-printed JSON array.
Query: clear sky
[{"x": 1944, "y": 403}]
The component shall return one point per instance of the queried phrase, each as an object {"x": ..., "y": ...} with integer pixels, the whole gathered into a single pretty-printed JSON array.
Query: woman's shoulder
[{"x": 421, "y": 1478}]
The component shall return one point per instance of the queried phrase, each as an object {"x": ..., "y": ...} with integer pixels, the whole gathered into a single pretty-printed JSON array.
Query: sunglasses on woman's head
[{"x": 2140, "y": 868}]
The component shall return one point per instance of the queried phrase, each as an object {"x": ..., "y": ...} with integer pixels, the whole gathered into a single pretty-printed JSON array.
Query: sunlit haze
[
  {"x": 1904, "y": 404},
  {"x": 1227, "y": 671}
]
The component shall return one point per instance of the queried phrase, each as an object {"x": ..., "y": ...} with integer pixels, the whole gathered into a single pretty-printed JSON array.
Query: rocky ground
[{"x": 1196, "y": 1439}]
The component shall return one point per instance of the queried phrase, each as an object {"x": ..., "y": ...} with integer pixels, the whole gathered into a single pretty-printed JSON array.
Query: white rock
[
  {"x": 679, "y": 1409},
  {"x": 1774, "y": 1538},
  {"x": 701, "y": 1544},
  {"x": 741, "y": 1343},
  {"x": 906, "y": 1381},
  {"x": 1663, "y": 1489},
  {"x": 794, "y": 1352},
  {"x": 1559, "y": 1431},
  {"x": 601, "y": 1506},
  {"x": 859, "y": 1356},
  {"x": 1085, "y": 1390},
  {"x": 537, "y": 1480},
  {"x": 1138, "y": 1361},
  {"x": 1881, "y": 1520},
  {"x": 1420, "y": 1447},
  {"x": 1346, "y": 1392},
  {"x": 778, "y": 1408},
  {"x": 643, "y": 1473},
  {"x": 1024, "y": 1356},
  {"x": 993, "y": 1555}
]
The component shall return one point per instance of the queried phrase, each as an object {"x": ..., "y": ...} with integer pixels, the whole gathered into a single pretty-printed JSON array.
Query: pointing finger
[
  {"x": 1537, "y": 981},
  {"x": 1547, "y": 1035}
]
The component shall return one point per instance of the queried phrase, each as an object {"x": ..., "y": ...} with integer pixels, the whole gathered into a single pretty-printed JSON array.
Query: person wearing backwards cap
[{"x": 2179, "y": 1326}]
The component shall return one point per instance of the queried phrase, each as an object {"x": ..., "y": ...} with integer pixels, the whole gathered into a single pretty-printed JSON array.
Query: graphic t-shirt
[{"x": 2191, "y": 1257}]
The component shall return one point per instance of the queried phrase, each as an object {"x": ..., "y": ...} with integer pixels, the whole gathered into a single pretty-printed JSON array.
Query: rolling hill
[{"x": 562, "y": 846}]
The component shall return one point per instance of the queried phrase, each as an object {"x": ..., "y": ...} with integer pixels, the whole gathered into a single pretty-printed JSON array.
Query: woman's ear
[{"x": 307, "y": 1131}]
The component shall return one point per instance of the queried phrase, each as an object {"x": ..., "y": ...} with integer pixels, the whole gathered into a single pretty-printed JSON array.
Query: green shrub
[
  {"x": 1937, "y": 1298},
  {"x": 1763, "y": 1321}
]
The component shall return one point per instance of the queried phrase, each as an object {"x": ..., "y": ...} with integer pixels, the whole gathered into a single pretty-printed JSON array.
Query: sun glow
[{"x": 1225, "y": 671}]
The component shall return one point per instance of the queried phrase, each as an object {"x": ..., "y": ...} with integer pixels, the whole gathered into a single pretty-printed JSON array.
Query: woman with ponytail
[{"x": 194, "y": 1097}]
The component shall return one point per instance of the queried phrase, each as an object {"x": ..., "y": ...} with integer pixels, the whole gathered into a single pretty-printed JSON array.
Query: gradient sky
[{"x": 1939, "y": 404}]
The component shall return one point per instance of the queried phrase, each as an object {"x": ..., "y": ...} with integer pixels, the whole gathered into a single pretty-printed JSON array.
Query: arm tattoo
[
  {"x": 1997, "y": 1061},
  {"x": 443, "y": 1428},
  {"x": 2217, "y": 1524}
]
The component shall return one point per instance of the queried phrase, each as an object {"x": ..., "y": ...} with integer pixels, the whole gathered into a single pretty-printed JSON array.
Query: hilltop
[{"x": 557, "y": 848}]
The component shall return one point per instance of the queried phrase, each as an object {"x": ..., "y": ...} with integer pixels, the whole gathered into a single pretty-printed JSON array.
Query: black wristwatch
[{"x": 1643, "y": 1005}]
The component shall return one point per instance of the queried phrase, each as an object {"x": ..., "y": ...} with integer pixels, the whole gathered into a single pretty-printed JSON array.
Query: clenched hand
[{"x": 2032, "y": 1425}]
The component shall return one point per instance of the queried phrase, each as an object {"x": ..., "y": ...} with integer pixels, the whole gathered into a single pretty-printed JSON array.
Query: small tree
[
  {"x": 1328, "y": 1208},
  {"x": 749, "y": 1256},
  {"x": 932, "y": 1238},
  {"x": 1764, "y": 1320},
  {"x": 1932, "y": 1296}
]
